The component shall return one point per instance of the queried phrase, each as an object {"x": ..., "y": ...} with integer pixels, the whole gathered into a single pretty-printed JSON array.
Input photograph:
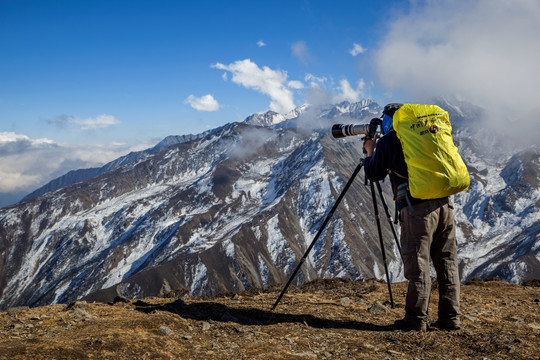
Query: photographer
[{"x": 427, "y": 231}]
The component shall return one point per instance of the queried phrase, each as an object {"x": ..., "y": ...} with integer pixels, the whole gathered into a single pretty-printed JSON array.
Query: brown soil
[{"x": 332, "y": 319}]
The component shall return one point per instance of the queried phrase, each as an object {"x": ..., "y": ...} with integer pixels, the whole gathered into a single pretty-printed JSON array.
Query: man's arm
[
  {"x": 376, "y": 163},
  {"x": 369, "y": 146}
]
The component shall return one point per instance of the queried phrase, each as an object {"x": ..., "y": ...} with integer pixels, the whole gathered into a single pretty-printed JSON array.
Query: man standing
[{"x": 427, "y": 231}]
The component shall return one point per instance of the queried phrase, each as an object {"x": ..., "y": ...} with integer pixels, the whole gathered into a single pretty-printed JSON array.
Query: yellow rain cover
[{"x": 435, "y": 168}]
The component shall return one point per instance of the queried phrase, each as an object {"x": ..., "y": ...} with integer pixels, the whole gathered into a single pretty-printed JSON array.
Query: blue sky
[
  {"x": 83, "y": 82},
  {"x": 138, "y": 61}
]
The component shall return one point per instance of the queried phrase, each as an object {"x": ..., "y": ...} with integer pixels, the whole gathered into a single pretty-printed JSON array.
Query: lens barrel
[{"x": 341, "y": 130}]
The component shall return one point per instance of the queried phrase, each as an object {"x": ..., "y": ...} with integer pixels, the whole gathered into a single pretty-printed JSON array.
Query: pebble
[
  {"x": 378, "y": 308},
  {"x": 79, "y": 313},
  {"x": 345, "y": 301},
  {"x": 165, "y": 330}
]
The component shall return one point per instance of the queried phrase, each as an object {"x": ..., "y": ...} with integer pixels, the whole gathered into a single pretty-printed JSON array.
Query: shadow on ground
[{"x": 222, "y": 313}]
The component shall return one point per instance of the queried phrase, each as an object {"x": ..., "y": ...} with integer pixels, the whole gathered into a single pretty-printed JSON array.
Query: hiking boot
[
  {"x": 446, "y": 325},
  {"x": 408, "y": 325}
]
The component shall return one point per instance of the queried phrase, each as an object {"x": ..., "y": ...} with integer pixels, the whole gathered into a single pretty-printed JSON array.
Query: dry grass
[{"x": 331, "y": 319}]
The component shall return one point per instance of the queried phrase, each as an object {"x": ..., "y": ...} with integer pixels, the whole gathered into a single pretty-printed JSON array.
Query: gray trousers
[{"x": 429, "y": 231}]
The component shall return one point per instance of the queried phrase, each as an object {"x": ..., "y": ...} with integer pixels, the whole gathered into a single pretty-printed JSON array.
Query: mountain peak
[
  {"x": 357, "y": 110},
  {"x": 271, "y": 118}
]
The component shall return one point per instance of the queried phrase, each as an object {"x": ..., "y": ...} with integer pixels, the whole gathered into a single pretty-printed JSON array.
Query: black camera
[{"x": 368, "y": 130}]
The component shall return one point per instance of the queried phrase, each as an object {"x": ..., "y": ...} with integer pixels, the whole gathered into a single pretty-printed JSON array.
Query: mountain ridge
[
  {"x": 236, "y": 207},
  {"x": 266, "y": 119}
]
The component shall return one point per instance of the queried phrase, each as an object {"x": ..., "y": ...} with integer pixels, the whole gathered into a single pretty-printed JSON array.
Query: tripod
[{"x": 329, "y": 216}]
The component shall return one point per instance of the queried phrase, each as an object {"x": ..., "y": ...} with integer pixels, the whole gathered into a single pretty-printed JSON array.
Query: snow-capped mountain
[
  {"x": 237, "y": 206},
  {"x": 271, "y": 118}
]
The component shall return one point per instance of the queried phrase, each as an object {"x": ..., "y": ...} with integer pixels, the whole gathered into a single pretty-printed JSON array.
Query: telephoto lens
[{"x": 341, "y": 130}]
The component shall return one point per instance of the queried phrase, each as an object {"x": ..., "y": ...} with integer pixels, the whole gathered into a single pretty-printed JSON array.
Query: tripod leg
[
  {"x": 381, "y": 241},
  {"x": 330, "y": 214},
  {"x": 389, "y": 217}
]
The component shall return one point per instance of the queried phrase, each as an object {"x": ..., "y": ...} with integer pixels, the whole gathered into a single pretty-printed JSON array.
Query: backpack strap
[
  {"x": 397, "y": 174},
  {"x": 395, "y": 192}
]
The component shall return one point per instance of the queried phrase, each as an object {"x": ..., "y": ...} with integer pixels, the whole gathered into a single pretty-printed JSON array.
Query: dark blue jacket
[{"x": 388, "y": 155}]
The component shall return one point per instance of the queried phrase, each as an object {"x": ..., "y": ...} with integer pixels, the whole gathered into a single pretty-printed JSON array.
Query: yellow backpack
[{"x": 435, "y": 168}]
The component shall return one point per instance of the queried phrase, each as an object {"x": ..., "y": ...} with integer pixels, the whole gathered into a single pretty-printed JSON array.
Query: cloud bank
[
  {"x": 26, "y": 164},
  {"x": 482, "y": 51},
  {"x": 272, "y": 83}
]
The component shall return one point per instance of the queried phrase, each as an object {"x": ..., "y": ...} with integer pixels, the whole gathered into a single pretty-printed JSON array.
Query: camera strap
[{"x": 401, "y": 192}]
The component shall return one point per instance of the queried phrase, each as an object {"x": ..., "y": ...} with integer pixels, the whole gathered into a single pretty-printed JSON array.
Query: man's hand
[{"x": 369, "y": 145}]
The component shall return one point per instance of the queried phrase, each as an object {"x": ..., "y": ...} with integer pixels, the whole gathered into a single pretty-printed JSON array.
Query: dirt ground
[{"x": 325, "y": 319}]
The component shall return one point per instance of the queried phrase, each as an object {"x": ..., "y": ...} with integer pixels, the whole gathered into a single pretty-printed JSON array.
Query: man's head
[
  {"x": 390, "y": 109},
  {"x": 388, "y": 114}
]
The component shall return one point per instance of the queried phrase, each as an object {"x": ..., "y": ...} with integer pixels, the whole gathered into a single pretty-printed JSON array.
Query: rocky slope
[{"x": 325, "y": 319}]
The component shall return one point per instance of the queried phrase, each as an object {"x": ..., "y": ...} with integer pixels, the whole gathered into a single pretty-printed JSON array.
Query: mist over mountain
[
  {"x": 76, "y": 176},
  {"x": 236, "y": 207}
]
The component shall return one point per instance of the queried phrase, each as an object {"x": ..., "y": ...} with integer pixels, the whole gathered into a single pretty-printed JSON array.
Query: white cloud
[
  {"x": 300, "y": 50},
  {"x": 261, "y": 43},
  {"x": 266, "y": 81},
  {"x": 26, "y": 164},
  {"x": 204, "y": 103},
  {"x": 357, "y": 49},
  {"x": 295, "y": 84},
  {"x": 315, "y": 81},
  {"x": 16, "y": 169},
  {"x": 99, "y": 122},
  {"x": 482, "y": 51},
  {"x": 347, "y": 93},
  {"x": 10, "y": 141}
]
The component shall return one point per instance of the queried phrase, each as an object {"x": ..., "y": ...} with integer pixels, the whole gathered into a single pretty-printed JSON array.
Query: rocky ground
[{"x": 331, "y": 319}]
